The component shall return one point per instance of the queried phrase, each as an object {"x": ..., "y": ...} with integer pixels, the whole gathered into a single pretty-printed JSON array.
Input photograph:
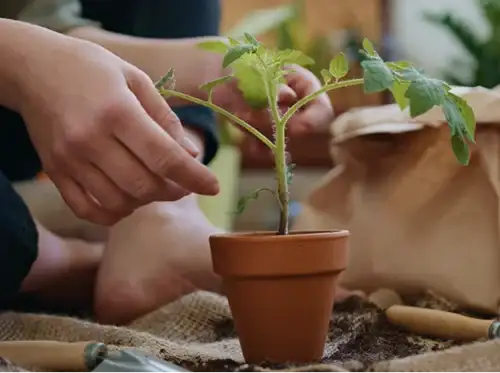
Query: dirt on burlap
[
  {"x": 197, "y": 333},
  {"x": 359, "y": 337}
]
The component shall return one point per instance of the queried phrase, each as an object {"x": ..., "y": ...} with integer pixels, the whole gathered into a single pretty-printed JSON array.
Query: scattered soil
[{"x": 359, "y": 336}]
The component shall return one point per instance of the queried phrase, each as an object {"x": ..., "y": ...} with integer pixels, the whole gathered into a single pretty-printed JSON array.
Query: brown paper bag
[{"x": 419, "y": 220}]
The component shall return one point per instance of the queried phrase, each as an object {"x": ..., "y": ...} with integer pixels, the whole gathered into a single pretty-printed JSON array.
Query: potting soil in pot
[{"x": 197, "y": 333}]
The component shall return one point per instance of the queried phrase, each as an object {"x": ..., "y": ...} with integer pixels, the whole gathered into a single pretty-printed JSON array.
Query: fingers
[
  {"x": 258, "y": 149},
  {"x": 109, "y": 196},
  {"x": 286, "y": 95},
  {"x": 158, "y": 109},
  {"x": 161, "y": 154},
  {"x": 132, "y": 177},
  {"x": 317, "y": 115},
  {"x": 93, "y": 196},
  {"x": 81, "y": 203}
]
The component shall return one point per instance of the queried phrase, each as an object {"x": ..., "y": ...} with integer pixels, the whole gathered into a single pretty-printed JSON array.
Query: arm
[
  {"x": 19, "y": 42},
  {"x": 156, "y": 56},
  {"x": 10, "y": 35},
  {"x": 156, "y": 47},
  {"x": 152, "y": 55}
]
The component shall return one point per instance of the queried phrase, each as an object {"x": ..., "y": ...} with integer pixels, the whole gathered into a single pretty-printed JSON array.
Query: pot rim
[
  {"x": 261, "y": 254},
  {"x": 266, "y": 235}
]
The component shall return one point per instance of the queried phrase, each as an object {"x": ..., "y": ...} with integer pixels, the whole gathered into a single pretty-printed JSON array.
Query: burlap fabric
[{"x": 196, "y": 332}]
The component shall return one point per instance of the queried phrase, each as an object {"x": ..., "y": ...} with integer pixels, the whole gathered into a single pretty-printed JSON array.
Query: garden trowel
[
  {"x": 81, "y": 356},
  {"x": 442, "y": 324}
]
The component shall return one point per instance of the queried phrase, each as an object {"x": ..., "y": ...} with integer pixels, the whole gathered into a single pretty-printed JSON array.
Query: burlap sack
[{"x": 419, "y": 220}]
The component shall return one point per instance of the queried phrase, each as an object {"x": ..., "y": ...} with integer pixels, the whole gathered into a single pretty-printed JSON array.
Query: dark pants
[{"x": 18, "y": 158}]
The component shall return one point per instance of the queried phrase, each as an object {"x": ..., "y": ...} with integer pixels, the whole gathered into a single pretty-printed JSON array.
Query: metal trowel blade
[{"x": 129, "y": 360}]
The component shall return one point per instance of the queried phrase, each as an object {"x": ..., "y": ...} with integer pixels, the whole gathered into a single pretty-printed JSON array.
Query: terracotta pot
[{"x": 281, "y": 290}]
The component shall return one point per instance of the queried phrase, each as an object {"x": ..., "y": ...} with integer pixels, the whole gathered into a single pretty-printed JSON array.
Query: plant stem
[
  {"x": 280, "y": 143},
  {"x": 305, "y": 100},
  {"x": 280, "y": 161},
  {"x": 280, "y": 150},
  {"x": 221, "y": 111},
  {"x": 281, "y": 173}
]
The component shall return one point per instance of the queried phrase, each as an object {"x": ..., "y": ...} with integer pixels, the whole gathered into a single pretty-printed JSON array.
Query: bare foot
[
  {"x": 153, "y": 257},
  {"x": 64, "y": 272}
]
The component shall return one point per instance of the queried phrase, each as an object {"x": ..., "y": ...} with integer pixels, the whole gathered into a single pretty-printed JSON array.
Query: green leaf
[
  {"x": 168, "y": 78},
  {"x": 410, "y": 73},
  {"x": 460, "y": 149},
  {"x": 251, "y": 81},
  {"x": 291, "y": 56},
  {"x": 424, "y": 94},
  {"x": 398, "y": 91},
  {"x": 399, "y": 66},
  {"x": 327, "y": 77},
  {"x": 216, "y": 82},
  {"x": 368, "y": 47},
  {"x": 459, "y": 116},
  {"x": 214, "y": 46},
  {"x": 233, "y": 42},
  {"x": 251, "y": 39},
  {"x": 377, "y": 76},
  {"x": 236, "y": 52},
  {"x": 339, "y": 66},
  {"x": 244, "y": 200}
]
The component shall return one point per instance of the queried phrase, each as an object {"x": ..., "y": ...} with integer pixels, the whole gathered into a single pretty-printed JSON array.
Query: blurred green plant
[
  {"x": 485, "y": 53},
  {"x": 288, "y": 25}
]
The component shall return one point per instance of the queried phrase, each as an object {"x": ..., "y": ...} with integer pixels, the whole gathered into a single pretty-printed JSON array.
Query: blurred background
[{"x": 455, "y": 40}]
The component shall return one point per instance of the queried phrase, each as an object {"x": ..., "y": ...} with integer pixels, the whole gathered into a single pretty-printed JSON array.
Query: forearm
[
  {"x": 20, "y": 45},
  {"x": 12, "y": 35},
  {"x": 192, "y": 65}
]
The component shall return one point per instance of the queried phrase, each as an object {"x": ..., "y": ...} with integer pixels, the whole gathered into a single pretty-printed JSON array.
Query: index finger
[
  {"x": 317, "y": 115},
  {"x": 160, "y": 153}
]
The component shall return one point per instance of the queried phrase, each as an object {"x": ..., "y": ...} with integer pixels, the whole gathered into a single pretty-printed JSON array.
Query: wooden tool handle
[
  {"x": 438, "y": 324},
  {"x": 47, "y": 355}
]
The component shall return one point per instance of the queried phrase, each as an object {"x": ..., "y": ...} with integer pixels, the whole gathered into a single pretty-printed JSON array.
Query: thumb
[
  {"x": 159, "y": 110},
  {"x": 286, "y": 95}
]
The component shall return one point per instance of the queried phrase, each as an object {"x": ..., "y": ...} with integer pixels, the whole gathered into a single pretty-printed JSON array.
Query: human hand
[
  {"x": 106, "y": 138},
  {"x": 318, "y": 113},
  {"x": 300, "y": 83}
]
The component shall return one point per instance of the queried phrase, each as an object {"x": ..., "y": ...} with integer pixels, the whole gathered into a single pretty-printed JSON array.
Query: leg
[
  {"x": 63, "y": 276},
  {"x": 41, "y": 264},
  {"x": 18, "y": 242}
]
